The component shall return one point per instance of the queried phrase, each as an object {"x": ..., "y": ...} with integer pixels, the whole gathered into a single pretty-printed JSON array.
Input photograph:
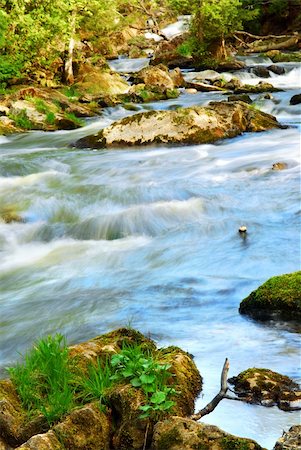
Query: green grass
[
  {"x": 48, "y": 381},
  {"x": 44, "y": 380},
  {"x": 74, "y": 119},
  {"x": 21, "y": 120}
]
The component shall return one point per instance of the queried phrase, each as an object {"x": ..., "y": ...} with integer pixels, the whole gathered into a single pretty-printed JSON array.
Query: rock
[
  {"x": 242, "y": 229},
  {"x": 167, "y": 53},
  {"x": 193, "y": 125},
  {"x": 7, "y": 126},
  {"x": 191, "y": 91},
  {"x": 8, "y": 214},
  {"x": 203, "y": 87},
  {"x": 84, "y": 428},
  {"x": 257, "y": 89},
  {"x": 278, "y": 70},
  {"x": 46, "y": 441},
  {"x": 15, "y": 428},
  {"x": 209, "y": 75},
  {"x": 279, "y": 297},
  {"x": 233, "y": 84},
  {"x": 295, "y": 100},
  {"x": 279, "y": 166},
  {"x": 276, "y": 56},
  {"x": 178, "y": 433},
  {"x": 241, "y": 98},
  {"x": 4, "y": 445},
  {"x": 177, "y": 78},
  {"x": 231, "y": 64},
  {"x": 261, "y": 71},
  {"x": 268, "y": 388},
  {"x": 4, "y": 110},
  {"x": 291, "y": 440},
  {"x": 155, "y": 76},
  {"x": 27, "y": 109},
  {"x": 99, "y": 82}
]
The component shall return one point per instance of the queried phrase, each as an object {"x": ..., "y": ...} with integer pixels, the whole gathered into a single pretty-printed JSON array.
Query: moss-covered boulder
[
  {"x": 278, "y": 56},
  {"x": 268, "y": 388},
  {"x": 291, "y": 440},
  {"x": 194, "y": 125},
  {"x": 178, "y": 433},
  {"x": 9, "y": 214},
  {"x": 256, "y": 89},
  {"x": 15, "y": 426},
  {"x": 84, "y": 428},
  {"x": 43, "y": 441},
  {"x": 155, "y": 76},
  {"x": 98, "y": 81},
  {"x": 279, "y": 297}
]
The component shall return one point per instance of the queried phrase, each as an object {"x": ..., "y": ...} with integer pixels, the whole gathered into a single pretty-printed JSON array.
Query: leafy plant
[
  {"x": 139, "y": 367},
  {"x": 44, "y": 380}
]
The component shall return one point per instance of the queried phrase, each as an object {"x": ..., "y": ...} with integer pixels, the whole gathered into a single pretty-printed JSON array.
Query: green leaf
[
  {"x": 147, "y": 379},
  {"x": 127, "y": 373},
  {"x": 158, "y": 397},
  {"x": 136, "y": 382},
  {"x": 145, "y": 407}
]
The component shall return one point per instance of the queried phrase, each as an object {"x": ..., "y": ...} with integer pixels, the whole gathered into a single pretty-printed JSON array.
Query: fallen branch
[
  {"x": 266, "y": 37},
  {"x": 274, "y": 46},
  {"x": 215, "y": 401}
]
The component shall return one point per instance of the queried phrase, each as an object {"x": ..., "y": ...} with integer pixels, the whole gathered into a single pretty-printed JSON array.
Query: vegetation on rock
[{"x": 280, "y": 296}]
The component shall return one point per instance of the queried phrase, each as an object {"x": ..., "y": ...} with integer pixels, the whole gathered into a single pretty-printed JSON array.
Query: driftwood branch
[
  {"x": 266, "y": 37},
  {"x": 288, "y": 43},
  {"x": 215, "y": 401}
]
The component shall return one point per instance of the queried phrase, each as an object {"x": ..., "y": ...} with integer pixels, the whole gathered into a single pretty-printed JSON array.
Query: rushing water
[{"x": 148, "y": 236}]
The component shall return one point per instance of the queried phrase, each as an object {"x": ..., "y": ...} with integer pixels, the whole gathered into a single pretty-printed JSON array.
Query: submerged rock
[
  {"x": 257, "y": 89},
  {"x": 268, "y": 388},
  {"x": 291, "y": 440},
  {"x": 261, "y": 71},
  {"x": 279, "y": 166},
  {"x": 178, "y": 433},
  {"x": 279, "y": 297},
  {"x": 295, "y": 100},
  {"x": 194, "y": 125}
]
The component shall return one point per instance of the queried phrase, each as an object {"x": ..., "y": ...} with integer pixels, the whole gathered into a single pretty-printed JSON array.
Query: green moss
[
  {"x": 285, "y": 57},
  {"x": 21, "y": 120},
  {"x": 280, "y": 294},
  {"x": 168, "y": 439},
  {"x": 231, "y": 443}
]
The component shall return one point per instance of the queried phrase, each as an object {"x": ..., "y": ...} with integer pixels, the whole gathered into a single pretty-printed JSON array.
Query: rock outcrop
[
  {"x": 291, "y": 440},
  {"x": 268, "y": 388},
  {"x": 277, "y": 298},
  {"x": 194, "y": 125},
  {"x": 178, "y": 433}
]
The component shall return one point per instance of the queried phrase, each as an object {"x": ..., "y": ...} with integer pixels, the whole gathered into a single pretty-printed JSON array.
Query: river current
[{"x": 148, "y": 237}]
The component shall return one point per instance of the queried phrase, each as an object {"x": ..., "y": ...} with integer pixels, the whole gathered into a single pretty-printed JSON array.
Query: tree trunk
[
  {"x": 69, "y": 77},
  {"x": 284, "y": 45}
]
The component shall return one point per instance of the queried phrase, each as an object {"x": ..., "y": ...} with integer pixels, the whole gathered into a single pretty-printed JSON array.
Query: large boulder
[
  {"x": 178, "y": 433},
  {"x": 279, "y": 297},
  {"x": 267, "y": 388},
  {"x": 194, "y": 125},
  {"x": 291, "y": 440},
  {"x": 155, "y": 76}
]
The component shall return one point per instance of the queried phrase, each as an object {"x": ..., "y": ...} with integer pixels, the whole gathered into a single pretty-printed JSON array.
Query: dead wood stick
[
  {"x": 215, "y": 401},
  {"x": 280, "y": 46},
  {"x": 268, "y": 36}
]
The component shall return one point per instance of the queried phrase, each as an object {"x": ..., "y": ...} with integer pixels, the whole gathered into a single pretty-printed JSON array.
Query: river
[{"x": 148, "y": 237}]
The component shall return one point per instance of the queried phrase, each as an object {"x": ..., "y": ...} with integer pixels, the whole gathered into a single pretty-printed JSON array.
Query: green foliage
[
  {"x": 44, "y": 379},
  {"x": 138, "y": 366},
  {"x": 71, "y": 92},
  {"x": 74, "y": 119},
  {"x": 181, "y": 6},
  {"x": 50, "y": 118},
  {"x": 21, "y": 120},
  {"x": 49, "y": 383}
]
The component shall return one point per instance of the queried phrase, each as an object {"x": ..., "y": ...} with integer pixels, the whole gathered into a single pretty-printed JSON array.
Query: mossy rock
[
  {"x": 178, "y": 433},
  {"x": 291, "y": 440},
  {"x": 268, "y": 388},
  {"x": 279, "y": 297},
  {"x": 257, "y": 89},
  {"x": 278, "y": 56},
  {"x": 8, "y": 214}
]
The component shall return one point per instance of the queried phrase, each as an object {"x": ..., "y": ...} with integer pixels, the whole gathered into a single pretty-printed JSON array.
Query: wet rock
[
  {"x": 295, "y": 100},
  {"x": 4, "y": 110},
  {"x": 178, "y": 433},
  {"x": 242, "y": 229},
  {"x": 240, "y": 97},
  {"x": 99, "y": 82},
  {"x": 7, "y": 126},
  {"x": 277, "y": 56},
  {"x": 231, "y": 64},
  {"x": 268, "y": 388},
  {"x": 191, "y": 91},
  {"x": 257, "y": 89},
  {"x": 278, "y": 70},
  {"x": 279, "y": 166},
  {"x": 155, "y": 76},
  {"x": 177, "y": 78},
  {"x": 291, "y": 440},
  {"x": 8, "y": 214},
  {"x": 203, "y": 87},
  {"x": 261, "y": 72},
  {"x": 84, "y": 428},
  {"x": 185, "y": 125},
  {"x": 279, "y": 297},
  {"x": 46, "y": 441},
  {"x": 233, "y": 84}
]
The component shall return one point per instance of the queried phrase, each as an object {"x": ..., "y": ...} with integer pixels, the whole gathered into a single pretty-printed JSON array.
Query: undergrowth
[{"x": 49, "y": 381}]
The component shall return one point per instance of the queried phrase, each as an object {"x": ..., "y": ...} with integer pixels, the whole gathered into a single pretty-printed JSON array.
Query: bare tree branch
[{"x": 215, "y": 401}]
